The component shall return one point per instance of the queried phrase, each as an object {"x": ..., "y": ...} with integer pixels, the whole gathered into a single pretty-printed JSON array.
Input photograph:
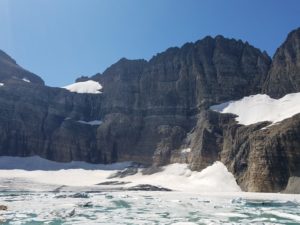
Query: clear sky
[{"x": 61, "y": 40}]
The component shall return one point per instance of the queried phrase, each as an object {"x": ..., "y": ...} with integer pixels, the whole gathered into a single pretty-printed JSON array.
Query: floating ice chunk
[
  {"x": 259, "y": 108},
  {"x": 90, "y": 87},
  {"x": 184, "y": 223},
  {"x": 284, "y": 215},
  {"x": 230, "y": 214}
]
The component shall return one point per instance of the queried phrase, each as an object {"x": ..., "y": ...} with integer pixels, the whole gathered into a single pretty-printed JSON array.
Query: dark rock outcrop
[
  {"x": 124, "y": 173},
  {"x": 3, "y": 207},
  {"x": 147, "y": 187},
  {"x": 263, "y": 159}
]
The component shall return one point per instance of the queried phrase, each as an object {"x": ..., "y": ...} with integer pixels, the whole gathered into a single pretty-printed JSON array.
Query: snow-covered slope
[
  {"x": 259, "y": 108},
  {"x": 179, "y": 177},
  {"x": 90, "y": 87},
  {"x": 215, "y": 178},
  {"x": 37, "y": 163}
]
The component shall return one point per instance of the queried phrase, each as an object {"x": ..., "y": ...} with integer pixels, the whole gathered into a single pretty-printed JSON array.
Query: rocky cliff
[
  {"x": 284, "y": 74},
  {"x": 10, "y": 71},
  {"x": 157, "y": 112}
]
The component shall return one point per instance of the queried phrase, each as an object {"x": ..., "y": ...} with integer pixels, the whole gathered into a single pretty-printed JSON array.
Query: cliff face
[
  {"x": 262, "y": 160},
  {"x": 38, "y": 120},
  {"x": 151, "y": 110},
  {"x": 184, "y": 80},
  {"x": 159, "y": 100},
  {"x": 284, "y": 75}
]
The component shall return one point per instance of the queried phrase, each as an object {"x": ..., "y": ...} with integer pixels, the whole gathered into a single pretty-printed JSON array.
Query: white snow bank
[
  {"x": 90, "y": 87},
  {"x": 36, "y": 170},
  {"x": 259, "y": 108},
  {"x": 26, "y": 80},
  {"x": 92, "y": 123},
  {"x": 214, "y": 178},
  {"x": 1, "y": 84},
  {"x": 38, "y": 163}
]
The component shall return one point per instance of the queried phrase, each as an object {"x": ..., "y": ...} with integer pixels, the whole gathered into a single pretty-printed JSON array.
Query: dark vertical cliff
[{"x": 284, "y": 74}]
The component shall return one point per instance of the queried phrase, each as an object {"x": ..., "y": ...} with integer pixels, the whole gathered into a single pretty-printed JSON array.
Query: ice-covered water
[{"x": 33, "y": 208}]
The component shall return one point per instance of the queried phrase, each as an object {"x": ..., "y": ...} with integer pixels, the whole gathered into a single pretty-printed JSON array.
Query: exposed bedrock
[{"x": 284, "y": 74}]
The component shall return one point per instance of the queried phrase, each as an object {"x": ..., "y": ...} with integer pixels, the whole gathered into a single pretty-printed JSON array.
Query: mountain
[
  {"x": 283, "y": 77},
  {"x": 12, "y": 72},
  {"x": 159, "y": 111}
]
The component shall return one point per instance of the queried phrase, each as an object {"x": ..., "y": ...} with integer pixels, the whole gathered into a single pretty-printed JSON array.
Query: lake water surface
[{"x": 34, "y": 208}]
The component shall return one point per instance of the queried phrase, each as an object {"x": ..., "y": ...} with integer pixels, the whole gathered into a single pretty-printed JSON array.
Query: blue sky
[{"x": 61, "y": 40}]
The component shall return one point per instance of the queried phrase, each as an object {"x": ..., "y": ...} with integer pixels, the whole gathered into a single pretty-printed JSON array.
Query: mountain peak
[
  {"x": 294, "y": 34},
  {"x": 11, "y": 71},
  {"x": 5, "y": 58},
  {"x": 284, "y": 77}
]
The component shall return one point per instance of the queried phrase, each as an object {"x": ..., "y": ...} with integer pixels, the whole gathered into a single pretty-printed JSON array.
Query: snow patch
[
  {"x": 1, "y": 84},
  {"x": 35, "y": 170},
  {"x": 26, "y": 80},
  {"x": 90, "y": 87},
  {"x": 92, "y": 123},
  {"x": 214, "y": 178},
  {"x": 284, "y": 215},
  {"x": 186, "y": 150},
  {"x": 259, "y": 108},
  {"x": 37, "y": 163}
]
